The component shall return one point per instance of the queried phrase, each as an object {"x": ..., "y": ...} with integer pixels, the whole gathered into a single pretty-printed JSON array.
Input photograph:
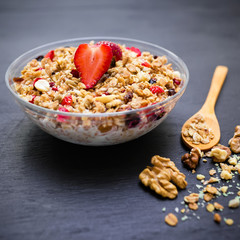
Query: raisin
[
  {"x": 39, "y": 58},
  {"x": 128, "y": 97}
]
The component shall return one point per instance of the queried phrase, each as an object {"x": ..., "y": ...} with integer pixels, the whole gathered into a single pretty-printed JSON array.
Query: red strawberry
[
  {"x": 62, "y": 118},
  {"x": 116, "y": 50},
  {"x": 136, "y": 50},
  {"x": 67, "y": 100},
  {"x": 156, "y": 89},
  {"x": 146, "y": 64},
  {"x": 50, "y": 55},
  {"x": 92, "y": 61}
]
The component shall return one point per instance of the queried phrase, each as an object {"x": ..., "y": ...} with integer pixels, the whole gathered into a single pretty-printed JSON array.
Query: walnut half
[
  {"x": 163, "y": 177},
  {"x": 219, "y": 153},
  {"x": 234, "y": 142},
  {"x": 191, "y": 160}
]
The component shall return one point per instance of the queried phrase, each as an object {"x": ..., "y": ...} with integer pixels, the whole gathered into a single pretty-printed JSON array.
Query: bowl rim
[{"x": 73, "y": 114}]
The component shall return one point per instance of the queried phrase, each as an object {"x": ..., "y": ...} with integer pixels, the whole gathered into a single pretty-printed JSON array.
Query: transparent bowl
[{"x": 98, "y": 129}]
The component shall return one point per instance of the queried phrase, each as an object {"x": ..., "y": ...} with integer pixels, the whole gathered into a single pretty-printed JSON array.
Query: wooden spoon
[{"x": 208, "y": 112}]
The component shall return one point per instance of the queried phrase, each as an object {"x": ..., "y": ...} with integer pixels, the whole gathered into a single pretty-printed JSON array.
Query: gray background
[{"x": 50, "y": 189}]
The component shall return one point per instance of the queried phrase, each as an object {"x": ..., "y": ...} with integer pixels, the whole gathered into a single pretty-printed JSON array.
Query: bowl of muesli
[{"x": 99, "y": 90}]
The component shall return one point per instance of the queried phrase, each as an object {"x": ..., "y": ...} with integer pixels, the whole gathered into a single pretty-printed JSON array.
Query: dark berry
[
  {"x": 176, "y": 81},
  {"x": 128, "y": 97},
  {"x": 75, "y": 73},
  {"x": 39, "y": 58},
  {"x": 171, "y": 92},
  {"x": 155, "y": 57},
  {"x": 53, "y": 73},
  {"x": 152, "y": 80},
  {"x": 113, "y": 63},
  {"x": 52, "y": 84},
  {"x": 133, "y": 121}
]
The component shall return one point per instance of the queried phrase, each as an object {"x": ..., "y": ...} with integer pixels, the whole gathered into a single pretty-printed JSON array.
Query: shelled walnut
[
  {"x": 234, "y": 142},
  {"x": 219, "y": 153},
  {"x": 162, "y": 177},
  {"x": 191, "y": 160}
]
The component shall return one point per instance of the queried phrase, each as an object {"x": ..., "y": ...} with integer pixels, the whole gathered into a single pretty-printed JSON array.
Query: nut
[
  {"x": 213, "y": 180},
  {"x": 105, "y": 98},
  {"x": 208, "y": 197},
  {"x": 220, "y": 153},
  {"x": 218, "y": 206},
  {"x": 192, "y": 198},
  {"x": 171, "y": 219},
  {"x": 229, "y": 221},
  {"x": 42, "y": 85},
  {"x": 210, "y": 189},
  {"x": 234, "y": 203},
  {"x": 191, "y": 160},
  {"x": 162, "y": 177},
  {"x": 212, "y": 172},
  {"x": 210, "y": 207},
  {"x": 224, "y": 189},
  {"x": 235, "y": 141},
  {"x": 225, "y": 175},
  {"x": 193, "y": 206},
  {"x": 217, "y": 218}
]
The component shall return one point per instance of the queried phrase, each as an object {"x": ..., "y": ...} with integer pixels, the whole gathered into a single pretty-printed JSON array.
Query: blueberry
[
  {"x": 155, "y": 56},
  {"x": 152, "y": 80},
  {"x": 171, "y": 92},
  {"x": 39, "y": 58}
]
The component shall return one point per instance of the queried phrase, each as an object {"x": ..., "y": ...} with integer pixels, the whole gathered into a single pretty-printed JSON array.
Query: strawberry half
[
  {"x": 50, "y": 55},
  {"x": 116, "y": 50},
  {"x": 92, "y": 61}
]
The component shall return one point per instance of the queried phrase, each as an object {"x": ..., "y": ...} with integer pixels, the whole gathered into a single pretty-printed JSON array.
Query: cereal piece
[
  {"x": 105, "y": 98},
  {"x": 234, "y": 203},
  {"x": 220, "y": 153},
  {"x": 212, "y": 172},
  {"x": 226, "y": 167},
  {"x": 224, "y": 189},
  {"x": 171, "y": 219},
  {"x": 191, "y": 160},
  {"x": 234, "y": 142},
  {"x": 226, "y": 175},
  {"x": 229, "y": 221},
  {"x": 42, "y": 85},
  {"x": 160, "y": 176},
  {"x": 200, "y": 177},
  {"x": 218, "y": 206},
  {"x": 210, "y": 207},
  {"x": 217, "y": 218}
]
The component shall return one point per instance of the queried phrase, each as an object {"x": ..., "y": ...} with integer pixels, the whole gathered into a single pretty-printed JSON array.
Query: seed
[
  {"x": 171, "y": 220},
  {"x": 217, "y": 218}
]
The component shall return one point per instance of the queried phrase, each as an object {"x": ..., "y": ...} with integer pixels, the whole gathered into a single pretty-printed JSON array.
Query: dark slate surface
[{"x": 56, "y": 190}]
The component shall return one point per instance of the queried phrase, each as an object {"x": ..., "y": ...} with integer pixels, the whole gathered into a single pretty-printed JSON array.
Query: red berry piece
[
  {"x": 136, "y": 50},
  {"x": 176, "y": 81},
  {"x": 36, "y": 81},
  {"x": 61, "y": 118},
  {"x": 50, "y": 55},
  {"x": 55, "y": 89},
  {"x": 38, "y": 69},
  {"x": 92, "y": 61},
  {"x": 133, "y": 121},
  {"x": 32, "y": 101},
  {"x": 67, "y": 100},
  {"x": 116, "y": 50},
  {"x": 146, "y": 64},
  {"x": 75, "y": 73},
  {"x": 52, "y": 84},
  {"x": 156, "y": 89}
]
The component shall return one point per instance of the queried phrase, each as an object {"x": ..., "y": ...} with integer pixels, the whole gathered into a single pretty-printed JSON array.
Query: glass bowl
[{"x": 98, "y": 129}]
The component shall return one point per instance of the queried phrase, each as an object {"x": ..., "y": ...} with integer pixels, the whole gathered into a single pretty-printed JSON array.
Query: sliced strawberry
[
  {"x": 92, "y": 61},
  {"x": 136, "y": 50},
  {"x": 50, "y": 55},
  {"x": 146, "y": 64},
  {"x": 156, "y": 89},
  {"x": 32, "y": 100},
  {"x": 62, "y": 118},
  {"x": 116, "y": 50}
]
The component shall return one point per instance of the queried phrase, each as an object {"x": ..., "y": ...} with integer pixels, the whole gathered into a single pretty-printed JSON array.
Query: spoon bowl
[{"x": 208, "y": 111}]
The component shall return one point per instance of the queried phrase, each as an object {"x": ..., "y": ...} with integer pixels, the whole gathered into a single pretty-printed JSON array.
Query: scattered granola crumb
[
  {"x": 171, "y": 219},
  {"x": 225, "y": 175},
  {"x": 234, "y": 203},
  {"x": 204, "y": 160},
  {"x": 228, "y": 221},
  {"x": 217, "y": 218},
  {"x": 183, "y": 210},
  {"x": 218, "y": 206},
  {"x": 238, "y": 193},
  {"x": 200, "y": 177},
  {"x": 224, "y": 189},
  {"x": 210, "y": 207},
  {"x": 163, "y": 209},
  {"x": 212, "y": 172}
]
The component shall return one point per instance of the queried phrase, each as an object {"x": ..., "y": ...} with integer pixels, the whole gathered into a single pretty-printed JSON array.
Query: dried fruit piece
[
  {"x": 171, "y": 219},
  {"x": 39, "y": 58},
  {"x": 18, "y": 79},
  {"x": 162, "y": 177},
  {"x": 92, "y": 62},
  {"x": 156, "y": 89},
  {"x": 75, "y": 73},
  {"x": 136, "y": 50},
  {"x": 67, "y": 100},
  {"x": 50, "y": 55},
  {"x": 32, "y": 100},
  {"x": 116, "y": 50},
  {"x": 217, "y": 218}
]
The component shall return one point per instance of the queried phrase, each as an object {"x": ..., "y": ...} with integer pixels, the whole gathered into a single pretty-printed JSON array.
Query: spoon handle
[{"x": 215, "y": 88}]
